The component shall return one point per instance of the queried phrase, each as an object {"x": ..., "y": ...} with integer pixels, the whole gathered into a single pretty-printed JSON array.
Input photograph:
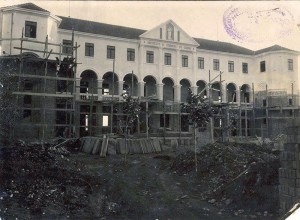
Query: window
[
  {"x": 168, "y": 59},
  {"x": 89, "y": 49},
  {"x": 185, "y": 61},
  {"x": 290, "y": 101},
  {"x": 216, "y": 64},
  {"x": 263, "y": 66},
  {"x": 111, "y": 52},
  {"x": 65, "y": 49},
  {"x": 290, "y": 64},
  {"x": 200, "y": 63},
  {"x": 230, "y": 66},
  {"x": 105, "y": 90},
  {"x": 245, "y": 67},
  {"x": 160, "y": 33},
  {"x": 30, "y": 29},
  {"x": 130, "y": 54},
  {"x": 178, "y": 36},
  {"x": 150, "y": 57},
  {"x": 105, "y": 120}
]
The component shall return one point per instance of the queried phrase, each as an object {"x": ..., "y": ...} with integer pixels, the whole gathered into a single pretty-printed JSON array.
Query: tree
[
  {"x": 131, "y": 109},
  {"x": 200, "y": 111}
]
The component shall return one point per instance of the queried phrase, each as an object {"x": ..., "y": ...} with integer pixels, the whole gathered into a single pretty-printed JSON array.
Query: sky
[{"x": 250, "y": 24}]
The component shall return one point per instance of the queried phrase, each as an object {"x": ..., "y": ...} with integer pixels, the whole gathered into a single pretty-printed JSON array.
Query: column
[
  {"x": 194, "y": 89},
  {"x": 224, "y": 93},
  {"x": 141, "y": 90},
  {"x": 177, "y": 93},
  {"x": 120, "y": 87},
  {"x": 159, "y": 91},
  {"x": 238, "y": 96},
  {"x": 99, "y": 88},
  {"x": 77, "y": 90}
]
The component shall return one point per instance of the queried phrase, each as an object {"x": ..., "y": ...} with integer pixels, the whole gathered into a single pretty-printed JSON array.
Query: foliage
[
  {"x": 131, "y": 108},
  {"x": 199, "y": 110}
]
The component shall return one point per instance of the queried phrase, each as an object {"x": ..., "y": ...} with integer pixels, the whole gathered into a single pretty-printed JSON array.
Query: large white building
[{"x": 162, "y": 62}]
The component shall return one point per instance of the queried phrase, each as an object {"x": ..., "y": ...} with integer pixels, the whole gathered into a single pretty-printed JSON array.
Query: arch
[
  {"x": 30, "y": 54},
  {"x": 184, "y": 90},
  {"x": 216, "y": 91},
  {"x": 231, "y": 92},
  {"x": 245, "y": 93},
  {"x": 168, "y": 89},
  {"x": 201, "y": 84},
  {"x": 109, "y": 84},
  {"x": 88, "y": 82},
  {"x": 131, "y": 84},
  {"x": 150, "y": 86}
]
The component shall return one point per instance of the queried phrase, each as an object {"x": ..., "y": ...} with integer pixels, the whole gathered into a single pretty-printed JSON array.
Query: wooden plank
[
  {"x": 96, "y": 148},
  {"x": 43, "y": 77},
  {"x": 103, "y": 151},
  {"x": 86, "y": 146},
  {"x": 111, "y": 149},
  {"x": 44, "y": 94}
]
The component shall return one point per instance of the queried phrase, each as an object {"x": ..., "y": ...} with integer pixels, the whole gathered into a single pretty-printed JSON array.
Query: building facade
[{"x": 160, "y": 64}]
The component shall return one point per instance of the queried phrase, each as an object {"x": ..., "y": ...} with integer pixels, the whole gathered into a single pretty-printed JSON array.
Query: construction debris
[{"x": 237, "y": 174}]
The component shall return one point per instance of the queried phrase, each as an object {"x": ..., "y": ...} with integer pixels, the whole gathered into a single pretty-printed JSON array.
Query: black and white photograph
[{"x": 159, "y": 110}]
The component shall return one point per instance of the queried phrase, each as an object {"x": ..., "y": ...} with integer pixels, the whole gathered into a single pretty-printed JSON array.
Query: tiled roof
[
  {"x": 99, "y": 28},
  {"x": 222, "y": 47},
  {"x": 273, "y": 48},
  {"x": 31, "y": 6},
  {"x": 133, "y": 33}
]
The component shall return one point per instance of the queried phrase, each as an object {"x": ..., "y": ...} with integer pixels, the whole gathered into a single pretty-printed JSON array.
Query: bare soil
[{"x": 67, "y": 184}]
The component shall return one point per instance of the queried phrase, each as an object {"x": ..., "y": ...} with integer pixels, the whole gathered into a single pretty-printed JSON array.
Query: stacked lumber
[{"x": 109, "y": 146}]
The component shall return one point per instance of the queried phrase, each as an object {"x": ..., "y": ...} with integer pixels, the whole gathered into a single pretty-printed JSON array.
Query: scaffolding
[{"x": 45, "y": 92}]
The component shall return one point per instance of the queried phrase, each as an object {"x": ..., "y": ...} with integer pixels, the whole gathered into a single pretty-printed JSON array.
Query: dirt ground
[{"x": 68, "y": 184}]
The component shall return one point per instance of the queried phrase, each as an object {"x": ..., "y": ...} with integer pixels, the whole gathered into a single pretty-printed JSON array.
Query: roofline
[
  {"x": 227, "y": 53},
  {"x": 278, "y": 51},
  {"x": 16, "y": 8},
  {"x": 98, "y": 35},
  {"x": 170, "y": 20}
]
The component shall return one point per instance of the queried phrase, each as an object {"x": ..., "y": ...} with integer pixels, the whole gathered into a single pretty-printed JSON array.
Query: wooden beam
[
  {"x": 40, "y": 51},
  {"x": 43, "y": 77},
  {"x": 44, "y": 94}
]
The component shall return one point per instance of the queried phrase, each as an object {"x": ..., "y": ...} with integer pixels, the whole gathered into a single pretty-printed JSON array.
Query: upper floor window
[
  {"x": 67, "y": 49},
  {"x": 245, "y": 67},
  {"x": 150, "y": 57},
  {"x": 230, "y": 66},
  {"x": 168, "y": 59},
  {"x": 185, "y": 61},
  {"x": 160, "y": 33},
  {"x": 30, "y": 29},
  {"x": 263, "y": 66},
  {"x": 111, "y": 52},
  {"x": 200, "y": 63},
  {"x": 178, "y": 36},
  {"x": 130, "y": 54},
  {"x": 89, "y": 49},
  {"x": 290, "y": 64},
  {"x": 216, "y": 64}
]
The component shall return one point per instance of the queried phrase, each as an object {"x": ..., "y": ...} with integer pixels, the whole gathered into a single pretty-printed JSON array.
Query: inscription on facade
[{"x": 153, "y": 43}]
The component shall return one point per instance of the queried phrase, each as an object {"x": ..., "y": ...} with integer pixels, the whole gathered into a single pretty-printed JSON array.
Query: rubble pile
[
  {"x": 41, "y": 181},
  {"x": 242, "y": 175}
]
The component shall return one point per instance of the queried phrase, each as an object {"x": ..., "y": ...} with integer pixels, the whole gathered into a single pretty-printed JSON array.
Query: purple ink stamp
[{"x": 259, "y": 24}]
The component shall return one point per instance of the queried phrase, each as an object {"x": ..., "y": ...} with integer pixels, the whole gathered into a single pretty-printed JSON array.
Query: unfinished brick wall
[{"x": 289, "y": 173}]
